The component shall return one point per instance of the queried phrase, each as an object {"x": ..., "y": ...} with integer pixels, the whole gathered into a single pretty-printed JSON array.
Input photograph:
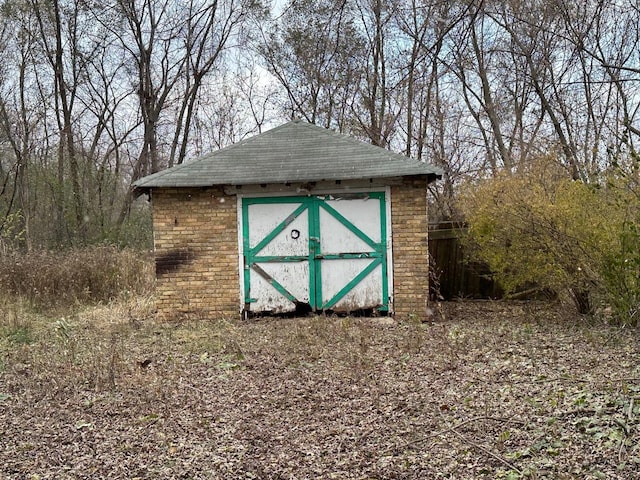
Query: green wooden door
[{"x": 325, "y": 252}]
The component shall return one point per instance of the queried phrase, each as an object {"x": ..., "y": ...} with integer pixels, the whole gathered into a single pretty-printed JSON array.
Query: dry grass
[
  {"x": 494, "y": 390},
  {"x": 48, "y": 279}
]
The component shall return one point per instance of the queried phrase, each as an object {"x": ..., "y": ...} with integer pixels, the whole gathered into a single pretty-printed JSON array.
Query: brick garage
[{"x": 266, "y": 218}]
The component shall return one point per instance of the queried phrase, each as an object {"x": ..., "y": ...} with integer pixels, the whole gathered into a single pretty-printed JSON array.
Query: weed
[
  {"x": 20, "y": 335},
  {"x": 413, "y": 339},
  {"x": 63, "y": 329},
  {"x": 16, "y": 324},
  {"x": 104, "y": 364}
]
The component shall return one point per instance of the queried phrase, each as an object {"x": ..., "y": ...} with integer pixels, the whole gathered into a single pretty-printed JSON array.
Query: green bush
[
  {"x": 539, "y": 227},
  {"x": 87, "y": 275}
]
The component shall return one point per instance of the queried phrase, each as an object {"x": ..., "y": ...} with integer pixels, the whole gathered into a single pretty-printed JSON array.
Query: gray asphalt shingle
[{"x": 294, "y": 152}]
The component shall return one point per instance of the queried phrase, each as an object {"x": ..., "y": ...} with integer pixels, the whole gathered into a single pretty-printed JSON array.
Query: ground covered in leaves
[{"x": 489, "y": 390}]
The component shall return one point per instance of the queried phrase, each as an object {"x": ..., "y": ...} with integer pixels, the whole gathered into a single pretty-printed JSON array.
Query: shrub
[
  {"x": 540, "y": 227},
  {"x": 87, "y": 275}
]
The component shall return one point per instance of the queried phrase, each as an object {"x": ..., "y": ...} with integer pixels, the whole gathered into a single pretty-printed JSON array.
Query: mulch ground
[{"x": 487, "y": 390}]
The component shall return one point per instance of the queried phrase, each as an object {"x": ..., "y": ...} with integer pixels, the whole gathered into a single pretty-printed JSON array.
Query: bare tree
[
  {"x": 315, "y": 53},
  {"x": 171, "y": 48},
  {"x": 605, "y": 37},
  {"x": 95, "y": 95},
  {"x": 60, "y": 32},
  {"x": 379, "y": 89},
  {"x": 211, "y": 29}
]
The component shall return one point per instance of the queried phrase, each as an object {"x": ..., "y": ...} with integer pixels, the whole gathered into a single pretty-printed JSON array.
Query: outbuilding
[{"x": 295, "y": 219}]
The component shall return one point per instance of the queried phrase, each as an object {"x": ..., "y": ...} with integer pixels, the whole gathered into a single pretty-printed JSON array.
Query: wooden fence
[{"x": 453, "y": 275}]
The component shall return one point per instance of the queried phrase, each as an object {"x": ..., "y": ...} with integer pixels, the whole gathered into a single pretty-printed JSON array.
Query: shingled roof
[{"x": 294, "y": 152}]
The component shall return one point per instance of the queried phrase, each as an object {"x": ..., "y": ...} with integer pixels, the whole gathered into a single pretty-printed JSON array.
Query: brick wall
[
  {"x": 410, "y": 251},
  {"x": 196, "y": 250}
]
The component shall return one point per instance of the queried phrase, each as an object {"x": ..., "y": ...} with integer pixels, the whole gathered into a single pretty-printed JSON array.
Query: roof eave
[{"x": 140, "y": 189}]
